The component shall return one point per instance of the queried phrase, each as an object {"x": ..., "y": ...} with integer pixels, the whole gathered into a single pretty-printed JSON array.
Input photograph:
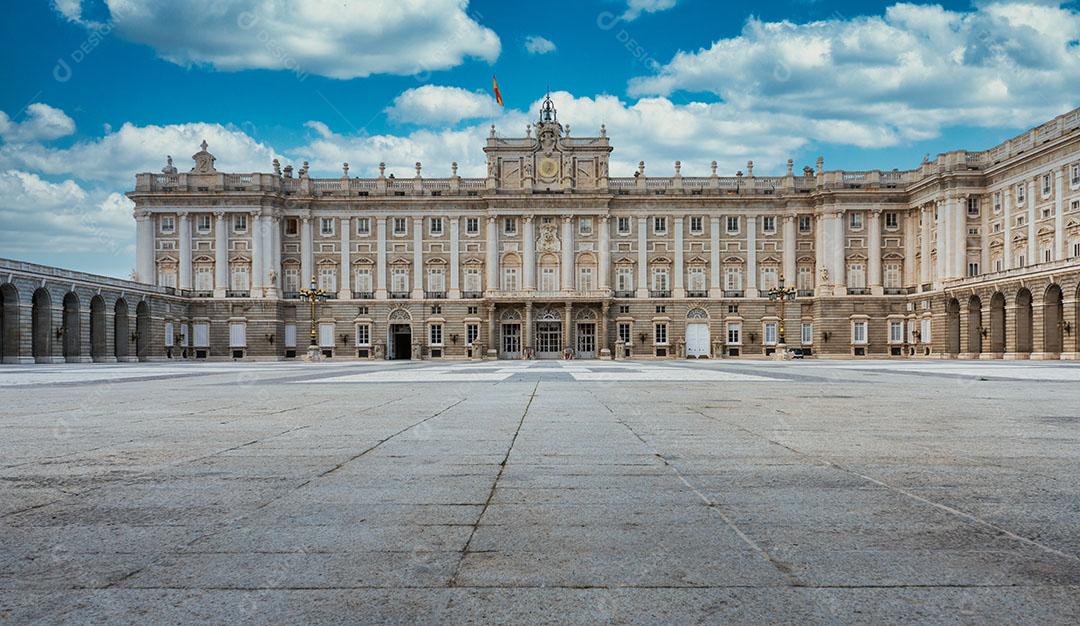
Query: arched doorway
[
  {"x": 975, "y": 329},
  {"x": 98, "y": 341},
  {"x": 698, "y": 340},
  {"x": 952, "y": 314},
  {"x": 1023, "y": 321},
  {"x": 997, "y": 323},
  {"x": 41, "y": 326},
  {"x": 1053, "y": 321},
  {"x": 399, "y": 334},
  {"x": 120, "y": 330},
  {"x": 9, "y": 323},
  {"x": 142, "y": 331},
  {"x": 71, "y": 328}
]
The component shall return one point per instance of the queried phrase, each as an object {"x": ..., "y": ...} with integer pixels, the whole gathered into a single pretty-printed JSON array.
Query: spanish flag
[{"x": 495, "y": 88}]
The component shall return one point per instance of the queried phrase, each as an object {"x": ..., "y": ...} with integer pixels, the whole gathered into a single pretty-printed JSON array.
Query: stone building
[{"x": 971, "y": 255}]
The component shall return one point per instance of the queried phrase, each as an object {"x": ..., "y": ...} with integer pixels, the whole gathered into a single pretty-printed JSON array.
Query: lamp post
[
  {"x": 313, "y": 295},
  {"x": 782, "y": 294}
]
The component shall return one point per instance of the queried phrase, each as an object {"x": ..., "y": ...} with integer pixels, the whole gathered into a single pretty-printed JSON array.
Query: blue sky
[{"x": 101, "y": 89}]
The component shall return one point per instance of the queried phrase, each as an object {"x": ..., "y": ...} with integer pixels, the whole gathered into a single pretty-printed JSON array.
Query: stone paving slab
[{"x": 581, "y": 492}]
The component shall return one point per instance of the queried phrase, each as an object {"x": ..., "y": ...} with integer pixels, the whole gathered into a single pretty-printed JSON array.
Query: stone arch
[
  {"x": 1024, "y": 321},
  {"x": 121, "y": 330},
  {"x": 510, "y": 315},
  {"x": 1053, "y": 320},
  {"x": 952, "y": 335},
  {"x": 997, "y": 323},
  {"x": 697, "y": 313},
  {"x": 9, "y": 323},
  {"x": 142, "y": 331},
  {"x": 98, "y": 340},
  {"x": 586, "y": 315},
  {"x": 41, "y": 325},
  {"x": 72, "y": 327},
  {"x": 975, "y": 327},
  {"x": 399, "y": 315}
]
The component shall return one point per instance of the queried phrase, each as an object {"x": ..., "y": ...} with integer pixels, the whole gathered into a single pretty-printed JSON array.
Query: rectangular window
[
  {"x": 768, "y": 224},
  {"x": 857, "y": 276},
  {"x": 695, "y": 279},
  {"x": 168, "y": 224},
  {"x": 472, "y": 331},
  {"x": 805, "y": 280},
  {"x": 660, "y": 279},
  {"x": 510, "y": 226},
  {"x": 1046, "y": 184},
  {"x": 326, "y": 335},
  {"x": 892, "y": 275},
  {"x": 660, "y": 225},
  {"x": 624, "y": 332},
  {"x": 472, "y": 225},
  {"x": 624, "y": 279},
  {"x": 363, "y": 334},
  {"x": 585, "y": 225},
  {"x": 732, "y": 224},
  {"x": 924, "y": 333},
  {"x": 1020, "y": 193},
  {"x": 292, "y": 226},
  {"x": 1076, "y": 248},
  {"x": 363, "y": 281},
  {"x": 660, "y": 333},
  {"x": 769, "y": 278},
  {"x": 973, "y": 207},
  {"x": 510, "y": 279},
  {"x": 290, "y": 335},
  {"x": 733, "y": 278},
  {"x": 734, "y": 333},
  {"x": 328, "y": 279},
  {"x": 202, "y": 223},
  {"x": 804, "y": 223},
  {"x": 401, "y": 226},
  {"x": 891, "y": 220},
  {"x": 770, "y": 333},
  {"x": 896, "y": 331},
  {"x": 238, "y": 278},
  {"x": 238, "y": 335},
  {"x": 624, "y": 225},
  {"x": 363, "y": 226},
  {"x": 858, "y": 332},
  {"x": 807, "y": 335},
  {"x": 204, "y": 278},
  {"x": 1074, "y": 179},
  {"x": 326, "y": 226},
  {"x": 435, "y": 335},
  {"x": 973, "y": 269},
  {"x": 1074, "y": 205},
  {"x": 585, "y": 280},
  {"x": 239, "y": 223},
  {"x": 697, "y": 224},
  {"x": 997, "y": 202},
  {"x": 855, "y": 221},
  {"x": 472, "y": 280},
  {"x": 291, "y": 280},
  {"x": 436, "y": 226},
  {"x": 399, "y": 280},
  {"x": 201, "y": 334},
  {"x": 549, "y": 279},
  {"x": 436, "y": 280}
]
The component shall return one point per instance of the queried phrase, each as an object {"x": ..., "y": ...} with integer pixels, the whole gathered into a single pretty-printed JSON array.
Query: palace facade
[{"x": 970, "y": 255}]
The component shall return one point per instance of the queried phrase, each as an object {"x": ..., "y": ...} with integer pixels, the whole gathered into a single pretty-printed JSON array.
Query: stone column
[
  {"x": 1059, "y": 215},
  {"x": 751, "y": 257},
  {"x": 603, "y": 345},
  {"x": 345, "y": 286},
  {"x": 307, "y": 256},
  {"x": 144, "y": 248},
  {"x": 493, "y": 336},
  {"x": 455, "y": 257},
  {"x": 790, "y": 270},
  {"x": 984, "y": 236},
  {"x": 679, "y": 287},
  {"x": 604, "y": 264},
  {"x": 643, "y": 257},
  {"x": 418, "y": 258},
  {"x": 567, "y": 325},
  {"x": 257, "y": 252},
  {"x": 568, "y": 253},
  {"x": 822, "y": 234},
  {"x": 1032, "y": 226},
  {"x": 959, "y": 239},
  {"x": 839, "y": 254},
  {"x": 1006, "y": 228},
  {"x": 910, "y": 223},
  {"x": 380, "y": 257},
  {"x": 221, "y": 255},
  {"x": 528, "y": 330},
  {"x": 716, "y": 288},
  {"x": 874, "y": 263},
  {"x": 491, "y": 250},
  {"x": 925, "y": 273},
  {"x": 528, "y": 254},
  {"x": 185, "y": 250},
  {"x": 272, "y": 256},
  {"x": 941, "y": 224}
]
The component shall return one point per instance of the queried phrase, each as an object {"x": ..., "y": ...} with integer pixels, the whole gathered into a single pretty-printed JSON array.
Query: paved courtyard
[{"x": 574, "y": 492}]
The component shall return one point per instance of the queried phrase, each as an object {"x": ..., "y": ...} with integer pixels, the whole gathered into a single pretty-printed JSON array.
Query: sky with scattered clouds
[{"x": 102, "y": 89}]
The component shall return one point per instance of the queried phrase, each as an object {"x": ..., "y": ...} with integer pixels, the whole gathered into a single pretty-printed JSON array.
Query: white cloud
[
  {"x": 535, "y": 44},
  {"x": 433, "y": 104},
  {"x": 900, "y": 77},
  {"x": 634, "y": 8},
  {"x": 116, "y": 156},
  {"x": 61, "y": 217},
  {"x": 70, "y": 9},
  {"x": 327, "y": 37},
  {"x": 42, "y": 122}
]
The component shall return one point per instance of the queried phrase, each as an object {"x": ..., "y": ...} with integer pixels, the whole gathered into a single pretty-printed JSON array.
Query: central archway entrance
[
  {"x": 1023, "y": 322},
  {"x": 697, "y": 333},
  {"x": 997, "y": 323},
  {"x": 142, "y": 331},
  {"x": 548, "y": 334},
  {"x": 975, "y": 329},
  {"x": 399, "y": 335},
  {"x": 41, "y": 326},
  {"x": 9, "y": 324},
  {"x": 952, "y": 313},
  {"x": 510, "y": 335},
  {"x": 98, "y": 341},
  {"x": 120, "y": 329},
  {"x": 1053, "y": 321},
  {"x": 72, "y": 329}
]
